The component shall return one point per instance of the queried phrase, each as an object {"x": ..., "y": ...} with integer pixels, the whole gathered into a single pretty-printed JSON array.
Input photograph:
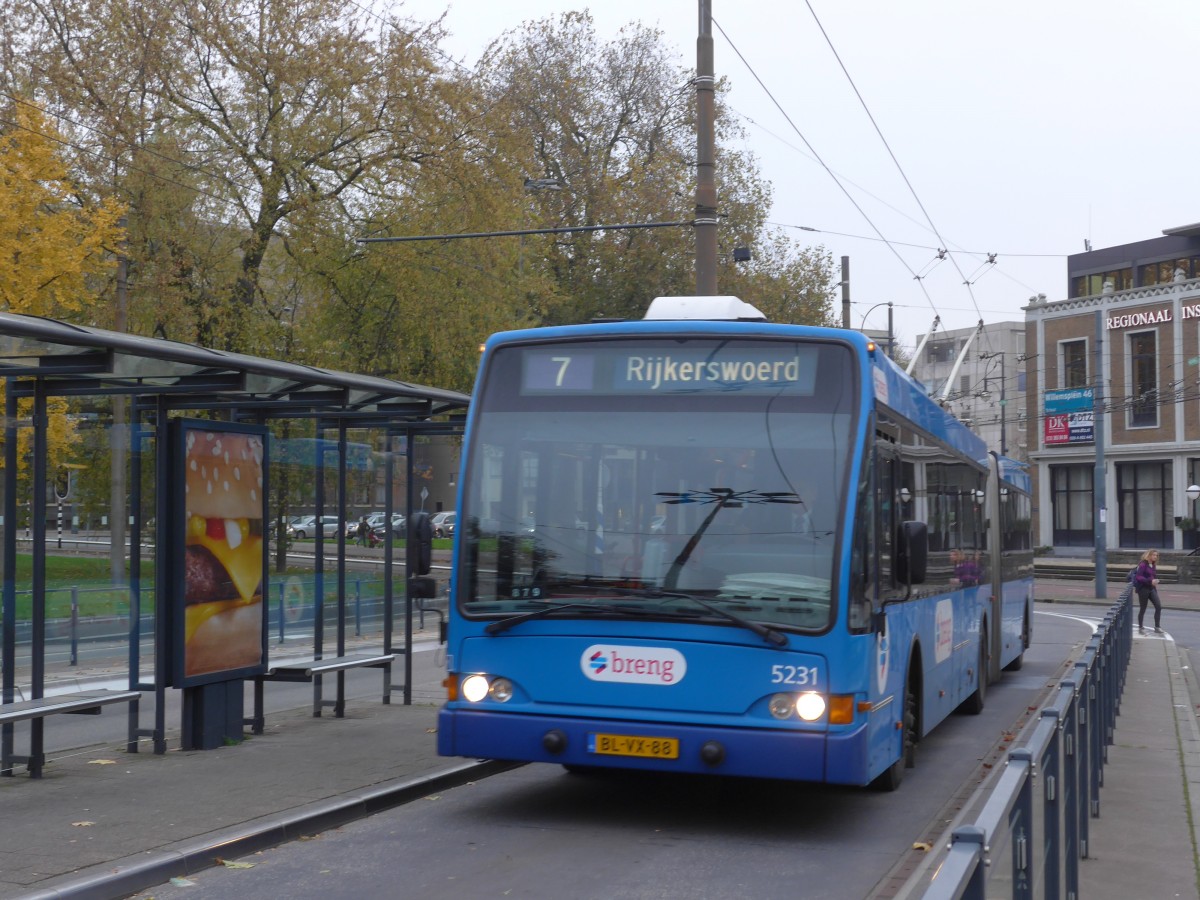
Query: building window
[
  {"x": 1071, "y": 501},
  {"x": 1146, "y": 508},
  {"x": 1092, "y": 285},
  {"x": 940, "y": 351},
  {"x": 1074, "y": 363},
  {"x": 1143, "y": 379},
  {"x": 1191, "y": 509},
  {"x": 1164, "y": 272}
]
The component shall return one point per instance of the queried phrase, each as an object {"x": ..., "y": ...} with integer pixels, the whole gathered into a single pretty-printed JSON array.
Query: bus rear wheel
[
  {"x": 1015, "y": 665},
  {"x": 973, "y": 705}
]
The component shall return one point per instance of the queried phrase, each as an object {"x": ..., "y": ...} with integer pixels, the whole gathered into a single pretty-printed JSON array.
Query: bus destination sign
[{"x": 625, "y": 369}]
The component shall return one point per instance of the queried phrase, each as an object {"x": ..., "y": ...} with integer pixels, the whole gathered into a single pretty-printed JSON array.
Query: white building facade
[{"x": 987, "y": 389}]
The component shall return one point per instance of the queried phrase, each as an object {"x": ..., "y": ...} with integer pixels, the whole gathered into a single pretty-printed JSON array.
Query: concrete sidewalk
[
  {"x": 1144, "y": 843},
  {"x": 106, "y": 824}
]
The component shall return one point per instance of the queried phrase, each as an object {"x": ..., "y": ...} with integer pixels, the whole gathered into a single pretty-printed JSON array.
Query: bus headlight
[
  {"x": 501, "y": 690},
  {"x": 782, "y": 706},
  {"x": 475, "y": 687},
  {"x": 810, "y": 706}
]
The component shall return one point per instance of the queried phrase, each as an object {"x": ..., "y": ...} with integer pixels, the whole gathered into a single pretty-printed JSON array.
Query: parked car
[
  {"x": 443, "y": 524},
  {"x": 378, "y": 520},
  {"x": 306, "y": 527}
]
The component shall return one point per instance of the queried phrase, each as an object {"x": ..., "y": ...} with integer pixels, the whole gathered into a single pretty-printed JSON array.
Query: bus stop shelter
[{"x": 155, "y": 380}]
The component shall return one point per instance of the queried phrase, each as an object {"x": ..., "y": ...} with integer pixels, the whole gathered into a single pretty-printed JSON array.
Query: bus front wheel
[{"x": 891, "y": 777}]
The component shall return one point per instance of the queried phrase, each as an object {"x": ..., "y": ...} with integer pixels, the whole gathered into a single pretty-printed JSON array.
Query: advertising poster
[
  {"x": 218, "y": 614},
  {"x": 1069, "y": 417}
]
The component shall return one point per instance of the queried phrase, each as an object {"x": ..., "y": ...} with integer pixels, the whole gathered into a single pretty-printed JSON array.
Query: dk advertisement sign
[{"x": 1069, "y": 417}]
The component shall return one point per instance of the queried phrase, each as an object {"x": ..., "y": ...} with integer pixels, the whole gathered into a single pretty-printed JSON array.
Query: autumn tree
[
  {"x": 613, "y": 126},
  {"x": 249, "y": 113},
  {"x": 50, "y": 241},
  {"x": 255, "y": 140},
  {"x": 54, "y": 246}
]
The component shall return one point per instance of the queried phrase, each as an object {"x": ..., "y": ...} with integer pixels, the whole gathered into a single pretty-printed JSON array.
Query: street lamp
[
  {"x": 863, "y": 323},
  {"x": 1193, "y": 492},
  {"x": 532, "y": 186}
]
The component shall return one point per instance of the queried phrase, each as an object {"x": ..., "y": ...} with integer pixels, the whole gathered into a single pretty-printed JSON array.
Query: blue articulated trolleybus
[{"x": 704, "y": 543}]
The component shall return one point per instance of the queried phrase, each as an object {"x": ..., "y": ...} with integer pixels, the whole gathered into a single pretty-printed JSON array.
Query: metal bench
[
  {"x": 82, "y": 702},
  {"x": 312, "y": 670}
]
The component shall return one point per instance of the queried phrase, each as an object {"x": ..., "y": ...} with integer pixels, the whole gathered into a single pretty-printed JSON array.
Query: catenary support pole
[{"x": 706, "y": 182}]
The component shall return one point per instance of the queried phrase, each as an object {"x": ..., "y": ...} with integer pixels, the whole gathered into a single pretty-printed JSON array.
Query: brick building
[{"x": 1116, "y": 367}]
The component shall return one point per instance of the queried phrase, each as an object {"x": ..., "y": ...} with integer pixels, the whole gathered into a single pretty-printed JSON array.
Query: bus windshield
[{"x": 643, "y": 474}]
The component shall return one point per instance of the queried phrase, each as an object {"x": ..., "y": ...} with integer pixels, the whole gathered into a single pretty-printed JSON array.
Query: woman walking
[{"x": 1145, "y": 582}]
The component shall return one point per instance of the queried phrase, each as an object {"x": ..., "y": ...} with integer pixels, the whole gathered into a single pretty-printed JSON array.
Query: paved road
[{"x": 540, "y": 832}]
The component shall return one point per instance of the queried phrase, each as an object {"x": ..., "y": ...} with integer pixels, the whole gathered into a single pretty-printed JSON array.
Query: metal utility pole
[
  {"x": 891, "y": 334},
  {"x": 1003, "y": 404},
  {"x": 1003, "y": 399},
  {"x": 1099, "y": 505},
  {"x": 845, "y": 292},
  {"x": 706, "y": 183},
  {"x": 118, "y": 440}
]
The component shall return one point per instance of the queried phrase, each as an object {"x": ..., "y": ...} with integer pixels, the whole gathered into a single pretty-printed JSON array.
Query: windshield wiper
[
  {"x": 768, "y": 634},
  {"x": 504, "y": 624},
  {"x": 721, "y": 498}
]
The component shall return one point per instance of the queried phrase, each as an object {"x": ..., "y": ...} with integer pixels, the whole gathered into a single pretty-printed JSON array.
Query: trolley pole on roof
[
  {"x": 958, "y": 362},
  {"x": 706, "y": 183}
]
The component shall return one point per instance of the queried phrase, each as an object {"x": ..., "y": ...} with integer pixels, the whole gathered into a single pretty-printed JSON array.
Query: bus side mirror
[
  {"x": 420, "y": 543},
  {"x": 912, "y": 553},
  {"x": 422, "y": 587}
]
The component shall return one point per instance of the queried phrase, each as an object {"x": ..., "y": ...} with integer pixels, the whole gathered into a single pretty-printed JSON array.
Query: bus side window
[
  {"x": 862, "y": 580},
  {"x": 885, "y": 533}
]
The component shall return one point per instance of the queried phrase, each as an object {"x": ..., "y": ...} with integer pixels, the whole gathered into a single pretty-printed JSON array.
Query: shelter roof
[{"x": 76, "y": 360}]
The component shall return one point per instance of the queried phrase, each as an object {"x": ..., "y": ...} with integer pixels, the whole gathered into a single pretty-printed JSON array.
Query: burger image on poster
[{"x": 223, "y": 566}]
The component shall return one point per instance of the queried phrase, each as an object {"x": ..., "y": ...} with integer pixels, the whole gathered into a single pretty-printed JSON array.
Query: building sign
[
  {"x": 1151, "y": 317},
  {"x": 1069, "y": 417}
]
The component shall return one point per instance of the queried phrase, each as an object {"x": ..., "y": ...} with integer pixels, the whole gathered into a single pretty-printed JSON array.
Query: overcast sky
[{"x": 1023, "y": 127}]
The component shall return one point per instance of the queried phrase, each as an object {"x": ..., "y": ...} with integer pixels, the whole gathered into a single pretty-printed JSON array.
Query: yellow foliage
[{"x": 50, "y": 244}]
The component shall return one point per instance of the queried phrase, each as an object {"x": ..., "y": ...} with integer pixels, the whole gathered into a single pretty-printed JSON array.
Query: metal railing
[
  {"x": 291, "y": 610},
  {"x": 1032, "y": 831}
]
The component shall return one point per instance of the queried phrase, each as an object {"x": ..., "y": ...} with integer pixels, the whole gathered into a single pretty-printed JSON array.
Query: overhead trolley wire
[
  {"x": 887, "y": 146},
  {"x": 824, "y": 165}
]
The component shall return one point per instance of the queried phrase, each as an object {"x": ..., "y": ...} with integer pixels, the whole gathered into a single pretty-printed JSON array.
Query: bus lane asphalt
[{"x": 103, "y": 823}]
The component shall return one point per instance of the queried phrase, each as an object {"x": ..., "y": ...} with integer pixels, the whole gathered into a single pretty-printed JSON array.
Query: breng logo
[{"x": 634, "y": 665}]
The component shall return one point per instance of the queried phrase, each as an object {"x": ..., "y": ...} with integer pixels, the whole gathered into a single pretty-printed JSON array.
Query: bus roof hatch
[{"x": 724, "y": 309}]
